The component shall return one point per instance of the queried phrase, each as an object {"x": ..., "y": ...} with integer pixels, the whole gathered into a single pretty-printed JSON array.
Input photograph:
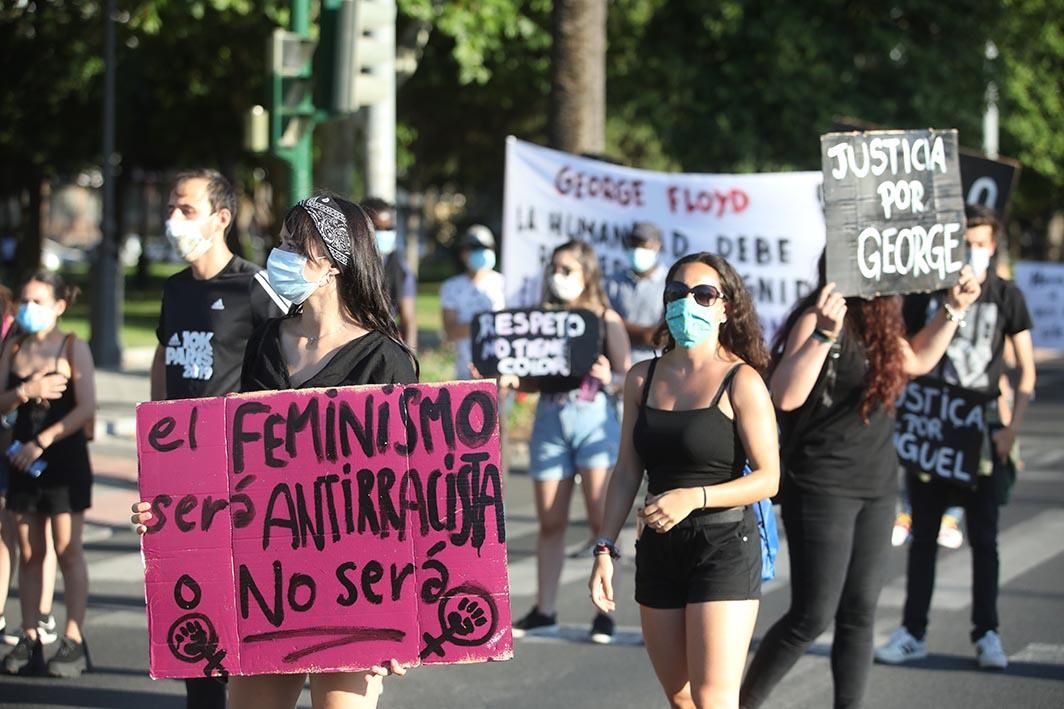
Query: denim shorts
[{"x": 571, "y": 433}]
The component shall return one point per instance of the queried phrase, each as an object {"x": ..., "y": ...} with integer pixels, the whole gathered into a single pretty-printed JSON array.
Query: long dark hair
[
  {"x": 594, "y": 295},
  {"x": 361, "y": 282},
  {"x": 877, "y": 325},
  {"x": 741, "y": 334}
]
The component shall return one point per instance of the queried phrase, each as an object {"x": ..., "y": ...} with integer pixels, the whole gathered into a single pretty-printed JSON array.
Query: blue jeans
[{"x": 571, "y": 433}]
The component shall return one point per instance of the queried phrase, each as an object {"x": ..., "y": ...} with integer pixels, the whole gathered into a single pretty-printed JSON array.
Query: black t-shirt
[
  {"x": 975, "y": 356},
  {"x": 839, "y": 454},
  {"x": 373, "y": 358},
  {"x": 205, "y": 325}
]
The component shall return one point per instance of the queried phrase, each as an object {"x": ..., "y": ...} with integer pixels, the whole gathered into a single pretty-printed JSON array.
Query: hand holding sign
[
  {"x": 965, "y": 292},
  {"x": 830, "y": 311}
]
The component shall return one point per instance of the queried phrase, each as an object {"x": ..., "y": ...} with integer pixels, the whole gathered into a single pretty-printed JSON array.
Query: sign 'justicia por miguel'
[
  {"x": 324, "y": 530},
  {"x": 894, "y": 211}
]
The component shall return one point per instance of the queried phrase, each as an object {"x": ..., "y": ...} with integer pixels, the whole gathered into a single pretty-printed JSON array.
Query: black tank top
[
  {"x": 66, "y": 457},
  {"x": 688, "y": 448}
]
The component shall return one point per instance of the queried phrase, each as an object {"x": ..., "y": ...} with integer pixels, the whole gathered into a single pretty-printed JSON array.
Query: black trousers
[
  {"x": 838, "y": 548},
  {"x": 929, "y": 501},
  {"x": 204, "y": 693}
]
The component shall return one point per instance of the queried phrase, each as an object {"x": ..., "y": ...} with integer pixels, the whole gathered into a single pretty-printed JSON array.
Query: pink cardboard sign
[{"x": 324, "y": 530}]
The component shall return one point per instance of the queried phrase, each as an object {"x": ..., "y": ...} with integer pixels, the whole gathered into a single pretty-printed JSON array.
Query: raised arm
[
  {"x": 923, "y": 350},
  {"x": 808, "y": 345}
]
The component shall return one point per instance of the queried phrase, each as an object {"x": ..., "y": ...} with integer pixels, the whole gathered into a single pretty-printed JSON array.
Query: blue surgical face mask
[
  {"x": 480, "y": 258},
  {"x": 32, "y": 317},
  {"x": 690, "y": 323},
  {"x": 386, "y": 241},
  {"x": 642, "y": 259},
  {"x": 285, "y": 271}
]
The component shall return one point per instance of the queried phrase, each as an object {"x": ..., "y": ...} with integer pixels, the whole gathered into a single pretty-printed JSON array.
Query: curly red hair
[{"x": 878, "y": 325}]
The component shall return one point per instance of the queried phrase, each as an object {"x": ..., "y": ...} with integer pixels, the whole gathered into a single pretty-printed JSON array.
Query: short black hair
[
  {"x": 375, "y": 206},
  {"x": 220, "y": 192},
  {"x": 981, "y": 215}
]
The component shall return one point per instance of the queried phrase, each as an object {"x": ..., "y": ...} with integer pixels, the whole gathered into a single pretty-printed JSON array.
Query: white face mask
[
  {"x": 187, "y": 239},
  {"x": 979, "y": 259},
  {"x": 566, "y": 288}
]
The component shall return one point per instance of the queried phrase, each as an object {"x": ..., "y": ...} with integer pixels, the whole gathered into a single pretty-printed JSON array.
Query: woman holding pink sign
[{"x": 339, "y": 333}]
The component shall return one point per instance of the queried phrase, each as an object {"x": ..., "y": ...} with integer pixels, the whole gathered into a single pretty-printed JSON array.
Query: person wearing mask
[
  {"x": 694, "y": 418},
  {"x": 575, "y": 433},
  {"x": 208, "y": 312},
  {"x": 339, "y": 333},
  {"x": 479, "y": 289},
  {"x": 400, "y": 281},
  {"x": 974, "y": 360},
  {"x": 48, "y": 377},
  {"x": 839, "y": 366},
  {"x": 635, "y": 292}
]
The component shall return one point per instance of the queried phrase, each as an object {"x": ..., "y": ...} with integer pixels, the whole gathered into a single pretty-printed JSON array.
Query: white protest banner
[
  {"x": 769, "y": 226},
  {"x": 1043, "y": 287}
]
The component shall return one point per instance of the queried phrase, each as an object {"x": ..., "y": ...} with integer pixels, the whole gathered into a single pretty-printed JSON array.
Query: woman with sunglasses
[
  {"x": 839, "y": 366},
  {"x": 339, "y": 333},
  {"x": 575, "y": 432},
  {"x": 693, "y": 419}
]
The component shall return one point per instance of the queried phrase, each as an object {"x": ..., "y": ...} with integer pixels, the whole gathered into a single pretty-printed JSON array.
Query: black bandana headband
[{"x": 332, "y": 225}]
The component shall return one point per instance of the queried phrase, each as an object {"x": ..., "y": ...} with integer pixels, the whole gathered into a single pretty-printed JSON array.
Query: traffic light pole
[
  {"x": 380, "y": 125},
  {"x": 300, "y": 157}
]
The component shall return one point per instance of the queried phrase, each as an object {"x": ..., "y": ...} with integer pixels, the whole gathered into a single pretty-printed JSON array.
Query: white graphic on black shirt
[
  {"x": 218, "y": 305},
  {"x": 194, "y": 353},
  {"x": 970, "y": 353}
]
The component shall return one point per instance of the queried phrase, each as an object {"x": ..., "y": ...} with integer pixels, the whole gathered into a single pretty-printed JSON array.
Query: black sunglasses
[{"x": 705, "y": 295}]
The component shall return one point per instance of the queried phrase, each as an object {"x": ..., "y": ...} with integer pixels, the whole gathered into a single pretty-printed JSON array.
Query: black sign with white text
[
  {"x": 988, "y": 182},
  {"x": 894, "y": 211},
  {"x": 940, "y": 430},
  {"x": 536, "y": 343}
]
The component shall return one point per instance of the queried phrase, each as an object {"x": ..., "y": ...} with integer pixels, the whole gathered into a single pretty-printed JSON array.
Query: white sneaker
[
  {"x": 46, "y": 629},
  {"x": 989, "y": 653},
  {"x": 901, "y": 648},
  {"x": 903, "y": 526},
  {"x": 949, "y": 534},
  {"x": 5, "y": 638}
]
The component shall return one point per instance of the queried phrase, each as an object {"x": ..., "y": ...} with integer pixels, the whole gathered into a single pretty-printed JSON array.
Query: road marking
[{"x": 1040, "y": 654}]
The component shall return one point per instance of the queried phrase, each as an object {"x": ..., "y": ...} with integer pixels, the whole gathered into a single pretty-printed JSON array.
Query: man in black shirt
[
  {"x": 209, "y": 311},
  {"x": 974, "y": 360}
]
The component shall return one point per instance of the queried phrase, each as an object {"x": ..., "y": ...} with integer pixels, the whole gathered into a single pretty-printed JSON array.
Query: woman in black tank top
[
  {"x": 692, "y": 420},
  {"x": 48, "y": 378},
  {"x": 840, "y": 365}
]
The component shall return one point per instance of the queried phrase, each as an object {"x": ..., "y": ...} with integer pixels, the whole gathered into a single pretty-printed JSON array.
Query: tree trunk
[
  {"x": 578, "y": 76},
  {"x": 30, "y": 241}
]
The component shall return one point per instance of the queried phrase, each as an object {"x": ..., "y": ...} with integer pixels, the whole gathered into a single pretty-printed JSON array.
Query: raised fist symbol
[
  {"x": 466, "y": 618},
  {"x": 193, "y": 636}
]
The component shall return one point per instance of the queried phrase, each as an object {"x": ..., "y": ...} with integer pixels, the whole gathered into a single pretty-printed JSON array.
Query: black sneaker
[
  {"x": 70, "y": 660},
  {"x": 5, "y": 637},
  {"x": 602, "y": 629},
  {"x": 46, "y": 629},
  {"x": 27, "y": 658},
  {"x": 535, "y": 623}
]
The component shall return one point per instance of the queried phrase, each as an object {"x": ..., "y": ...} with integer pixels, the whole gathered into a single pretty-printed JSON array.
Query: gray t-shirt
[{"x": 638, "y": 301}]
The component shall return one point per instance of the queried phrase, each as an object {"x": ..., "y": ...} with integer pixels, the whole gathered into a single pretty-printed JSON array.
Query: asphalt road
[{"x": 568, "y": 671}]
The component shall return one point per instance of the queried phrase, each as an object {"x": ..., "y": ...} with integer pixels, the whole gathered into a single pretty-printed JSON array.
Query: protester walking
[
  {"x": 339, "y": 333},
  {"x": 635, "y": 291},
  {"x": 839, "y": 366},
  {"x": 575, "y": 433},
  {"x": 974, "y": 360},
  {"x": 49, "y": 380},
  {"x": 208, "y": 312},
  {"x": 693, "y": 419},
  {"x": 479, "y": 289}
]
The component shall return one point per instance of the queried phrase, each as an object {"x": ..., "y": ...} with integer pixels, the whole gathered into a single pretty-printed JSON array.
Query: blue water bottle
[{"x": 36, "y": 468}]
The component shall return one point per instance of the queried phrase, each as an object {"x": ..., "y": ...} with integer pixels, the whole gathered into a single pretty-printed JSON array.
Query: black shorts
[
  {"x": 50, "y": 499},
  {"x": 698, "y": 563}
]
